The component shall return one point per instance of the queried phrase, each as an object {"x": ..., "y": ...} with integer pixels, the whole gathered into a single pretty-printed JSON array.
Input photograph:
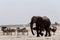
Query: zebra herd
[{"x": 9, "y": 31}]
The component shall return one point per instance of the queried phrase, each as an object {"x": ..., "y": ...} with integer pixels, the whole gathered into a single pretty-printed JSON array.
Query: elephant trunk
[{"x": 31, "y": 27}]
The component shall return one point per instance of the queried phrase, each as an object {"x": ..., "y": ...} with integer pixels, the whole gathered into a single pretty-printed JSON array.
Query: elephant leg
[
  {"x": 46, "y": 32},
  {"x": 37, "y": 33},
  {"x": 37, "y": 30},
  {"x": 49, "y": 32},
  {"x": 41, "y": 32}
]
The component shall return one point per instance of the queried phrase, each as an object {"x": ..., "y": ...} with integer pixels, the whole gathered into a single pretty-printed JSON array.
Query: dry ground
[{"x": 30, "y": 36}]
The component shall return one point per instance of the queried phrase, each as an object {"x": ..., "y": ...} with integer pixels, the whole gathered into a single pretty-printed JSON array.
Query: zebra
[
  {"x": 23, "y": 30},
  {"x": 7, "y": 30}
]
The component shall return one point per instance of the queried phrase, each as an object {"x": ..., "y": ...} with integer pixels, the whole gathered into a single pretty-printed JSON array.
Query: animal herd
[
  {"x": 9, "y": 31},
  {"x": 41, "y": 24}
]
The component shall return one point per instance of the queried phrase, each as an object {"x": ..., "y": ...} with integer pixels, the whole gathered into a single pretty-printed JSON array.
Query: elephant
[{"x": 42, "y": 23}]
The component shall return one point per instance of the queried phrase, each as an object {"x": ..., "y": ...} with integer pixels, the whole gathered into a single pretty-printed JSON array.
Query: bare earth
[{"x": 30, "y": 36}]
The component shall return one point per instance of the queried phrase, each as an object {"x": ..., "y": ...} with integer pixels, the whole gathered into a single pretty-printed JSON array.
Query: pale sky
[{"x": 21, "y": 11}]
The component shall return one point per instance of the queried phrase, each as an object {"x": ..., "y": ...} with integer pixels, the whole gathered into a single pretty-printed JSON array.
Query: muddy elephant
[{"x": 42, "y": 23}]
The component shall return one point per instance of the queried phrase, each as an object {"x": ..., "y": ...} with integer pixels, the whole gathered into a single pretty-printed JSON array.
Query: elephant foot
[
  {"x": 41, "y": 34},
  {"x": 37, "y": 36},
  {"x": 49, "y": 35},
  {"x": 45, "y": 35}
]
